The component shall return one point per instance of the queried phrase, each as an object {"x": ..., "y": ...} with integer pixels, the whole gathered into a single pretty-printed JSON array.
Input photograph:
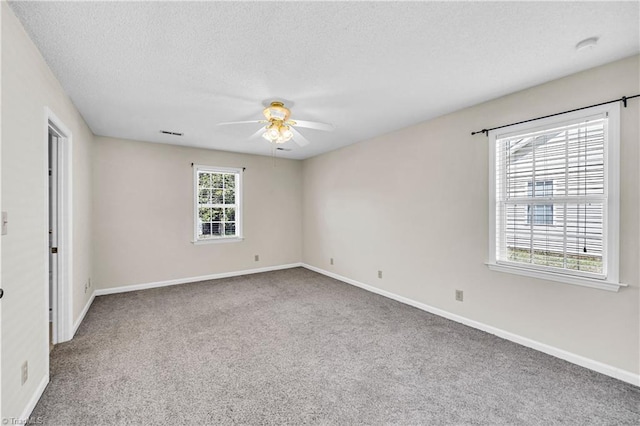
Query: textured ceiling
[{"x": 135, "y": 68}]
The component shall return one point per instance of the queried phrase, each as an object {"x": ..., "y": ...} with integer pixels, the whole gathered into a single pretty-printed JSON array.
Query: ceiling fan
[{"x": 279, "y": 128}]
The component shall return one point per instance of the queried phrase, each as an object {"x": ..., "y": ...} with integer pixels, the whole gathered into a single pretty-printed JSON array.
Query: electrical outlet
[
  {"x": 256, "y": 257},
  {"x": 379, "y": 274},
  {"x": 331, "y": 261},
  {"x": 24, "y": 372},
  {"x": 459, "y": 295}
]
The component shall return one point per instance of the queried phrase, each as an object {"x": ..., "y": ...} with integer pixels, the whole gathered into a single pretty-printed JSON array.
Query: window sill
[
  {"x": 581, "y": 281},
  {"x": 218, "y": 241}
]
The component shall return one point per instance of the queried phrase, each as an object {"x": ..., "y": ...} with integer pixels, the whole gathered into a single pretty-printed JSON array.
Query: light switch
[{"x": 5, "y": 221}]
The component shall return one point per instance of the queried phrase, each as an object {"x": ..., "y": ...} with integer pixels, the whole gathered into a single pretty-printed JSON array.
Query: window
[
  {"x": 554, "y": 198},
  {"x": 541, "y": 214},
  {"x": 218, "y": 195}
]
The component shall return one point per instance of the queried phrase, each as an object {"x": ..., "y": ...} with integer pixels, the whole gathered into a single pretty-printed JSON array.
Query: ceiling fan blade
[
  {"x": 298, "y": 138},
  {"x": 240, "y": 122},
  {"x": 257, "y": 134},
  {"x": 314, "y": 125}
]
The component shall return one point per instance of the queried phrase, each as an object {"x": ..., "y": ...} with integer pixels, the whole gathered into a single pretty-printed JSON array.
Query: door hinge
[{"x": 54, "y": 250}]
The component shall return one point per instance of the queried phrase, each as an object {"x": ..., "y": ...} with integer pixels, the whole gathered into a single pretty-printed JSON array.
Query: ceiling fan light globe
[
  {"x": 287, "y": 134},
  {"x": 273, "y": 133}
]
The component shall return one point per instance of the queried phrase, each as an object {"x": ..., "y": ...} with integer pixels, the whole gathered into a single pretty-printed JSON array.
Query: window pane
[
  {"x": 517, "y": 234},
  {"x": 585, "y": 237},
  {"x": 549, "y": 160},
  {"x": 205, "y": 229},
  {"x": 205, "y": 196},
  {"x": 230, "y": 228},
  {"x": 552, "y": 258},
  {"x": 541, "y": 242},
  {"x": 230, "y": 215},
  {"x": 204, "y": 213},
  {"x": 515, "y": 163},
  {"x": 585, "y": 220},
  {"x": 543, "y": 188},
  {"x": 216, "y": 180},
  {"x": 547, "y": 238},
  {"x": 540, "y": 214},
  {"x": 584, "y": 262},
  {"x": 230, "y": 181},
  {"x": 216, "y": 214},
  {"x": 572, "y": 157},
  {"x": 204, "y": 180},
  {"x": 586, "y": 161},
  {"x": 216, "y": 196},
  {"x": 573, "y": 239},
  {"x": 216, "y": 229},
  {"x": 229, "y": 196}
]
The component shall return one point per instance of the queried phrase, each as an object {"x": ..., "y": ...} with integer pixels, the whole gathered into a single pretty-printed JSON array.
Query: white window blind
[
  {"x": 217, "y": 203},
  {"x": 551, "y": 187}
]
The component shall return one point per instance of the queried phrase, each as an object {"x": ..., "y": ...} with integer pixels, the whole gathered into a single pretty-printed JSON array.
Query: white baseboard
[
  {"x": 24, "y": 417},
  {"x": 135, "y": 287},
  {"x": 625, "y": 376},
  {"x": 82, "y": 314}
]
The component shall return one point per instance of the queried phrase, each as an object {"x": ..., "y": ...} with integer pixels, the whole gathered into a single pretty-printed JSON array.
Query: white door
[{"x": 53, "y": 235}]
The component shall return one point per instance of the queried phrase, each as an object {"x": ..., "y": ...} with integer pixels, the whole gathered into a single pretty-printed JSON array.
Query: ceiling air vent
[{"x": 166, "y": 132}]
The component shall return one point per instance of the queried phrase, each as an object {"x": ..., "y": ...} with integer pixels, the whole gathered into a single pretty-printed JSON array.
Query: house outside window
[
  {"x": 218, "y": 197},
  {"x": 540, "y": 214},
  {"x": 554, "y": 207}
]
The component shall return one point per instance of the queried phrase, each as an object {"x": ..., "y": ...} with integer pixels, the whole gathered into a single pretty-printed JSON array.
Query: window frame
[
  {"x": 611, "y": 219},
  {"x": 238, "y": 204}
]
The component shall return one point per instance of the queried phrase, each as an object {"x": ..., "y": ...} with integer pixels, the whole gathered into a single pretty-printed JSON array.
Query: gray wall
[
  {"x": 143, "y": 213},
  {"x": 28, "y": 86},
  {"x": 414, "y": 203}
]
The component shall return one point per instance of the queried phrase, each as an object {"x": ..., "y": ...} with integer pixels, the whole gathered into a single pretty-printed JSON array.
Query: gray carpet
[{"x": 295, "y": 347}]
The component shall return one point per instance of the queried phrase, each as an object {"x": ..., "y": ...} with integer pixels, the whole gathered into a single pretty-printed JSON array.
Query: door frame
[
  {"x": 1, "y": 416},
  {"x": 62, "y": 312}
]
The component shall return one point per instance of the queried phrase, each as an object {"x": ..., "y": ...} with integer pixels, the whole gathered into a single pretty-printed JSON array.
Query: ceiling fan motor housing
[
  {"x": 277, "y": 111},
  {"x": 280, "y": 128}
]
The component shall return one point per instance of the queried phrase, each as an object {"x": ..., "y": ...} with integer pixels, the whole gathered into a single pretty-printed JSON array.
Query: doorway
[
  {"x": 59, "y": 231},
  {"x": 54, "y": 141}
]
